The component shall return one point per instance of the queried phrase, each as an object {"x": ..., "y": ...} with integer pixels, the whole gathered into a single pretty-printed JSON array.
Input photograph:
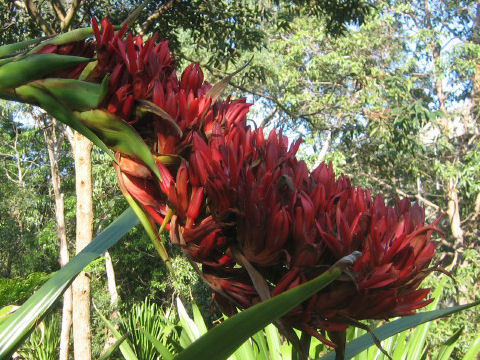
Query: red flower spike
[{"x": 235, "y": 187}]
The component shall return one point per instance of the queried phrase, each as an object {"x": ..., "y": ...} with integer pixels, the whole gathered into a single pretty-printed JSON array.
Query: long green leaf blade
[
  {"x": 125, "y": 347},
  {"x": 259, "y": 340},
  {"x": 13, "y": 48},
  {"x": 383, "y": 332},
  {"x": 273, "y": 340},
  {"x": 188, "y": 325},
  {"x": 448, "y": 346},
  {"x": 419, "y": 336},
  {"x": 162, "y": 349},
  {"x": 198, "y": 319},
  {"x": 221, "y": 341},
  {"x": 65, "y": 38},
  {"x": 17, "y": 326},
  {"x": 75, "y": 94},
  {"x": 473, "y": 350}
]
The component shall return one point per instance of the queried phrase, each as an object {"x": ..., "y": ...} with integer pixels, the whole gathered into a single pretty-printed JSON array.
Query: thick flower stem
[
  {"x": 340, "y": 339},
  {"x": 159, "y": 246}
]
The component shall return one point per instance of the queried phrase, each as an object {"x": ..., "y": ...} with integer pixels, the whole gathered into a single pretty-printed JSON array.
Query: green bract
[{"x": 20, "y": 72}]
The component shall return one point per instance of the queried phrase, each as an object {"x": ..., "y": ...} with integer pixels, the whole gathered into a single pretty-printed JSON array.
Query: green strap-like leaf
[
  {"x": 125, "y": 347},
  {"x": 447, "y": 348},
  {"x": 198, "y": 319},
  {"x": 417, "y": 339},
  {"x": 65, "y": 38},
  {"x": 473, "y": 350},
  {"x": 385, "y": 331},
  {"x": 17, "y": 326},
  {"x": 20, "y": 72},
  {"x": 162, "y": 349},
  {"x": 188, "y": 325},
  {"x": 222, "y": 340}
]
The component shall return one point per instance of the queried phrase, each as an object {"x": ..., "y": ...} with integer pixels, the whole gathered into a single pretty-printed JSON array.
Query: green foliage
[
  {"x": 44, "y": 341},
  {"x": 147, "y": 317},
  {"x": 16, "y": 290},
  {"x": 464, "y": 289},
  {"x": 26, "y": 211}
]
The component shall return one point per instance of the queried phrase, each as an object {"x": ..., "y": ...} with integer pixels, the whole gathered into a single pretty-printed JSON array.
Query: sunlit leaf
[
  {"x": 447, "y": 347},
  {"x": 75, "y": 94},
  {"x": 20, "y": 72}
]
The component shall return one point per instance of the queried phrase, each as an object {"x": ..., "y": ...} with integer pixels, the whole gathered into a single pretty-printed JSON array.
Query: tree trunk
[
  {"x": 326, "y": 142},
  {"x": 82, "y": 148},
  {"x": 53, "y": 147},
  {"x": 453, "y": 212},
  {"x": 112, "y": 289}
]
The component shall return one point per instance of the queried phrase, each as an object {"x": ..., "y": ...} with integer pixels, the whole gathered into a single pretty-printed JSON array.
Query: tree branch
[
  {"x": 34, "y": 13},
  {"x": 156, "y": 15},
  {"x": 401, "y": 192},
  {"x": 70, "y": 14},
  {"x": 58, "y": 9}
]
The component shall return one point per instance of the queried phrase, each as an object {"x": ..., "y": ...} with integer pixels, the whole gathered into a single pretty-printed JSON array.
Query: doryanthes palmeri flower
[{"x": 242, "y": 199}]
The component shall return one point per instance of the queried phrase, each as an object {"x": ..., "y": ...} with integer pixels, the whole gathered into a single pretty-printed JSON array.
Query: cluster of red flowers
[{"x": 235, "y": 191}]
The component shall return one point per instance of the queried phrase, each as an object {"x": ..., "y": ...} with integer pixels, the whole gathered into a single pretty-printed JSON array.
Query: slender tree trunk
[
  {"x": 476, "y": 212},
  {"x": 53, "y": 147},
  {"x": 326, "y": 143},
  {"x": 82, "y": 148},
  {"x": 453, "y": 212},
  {"x": 112, "y": 289}
]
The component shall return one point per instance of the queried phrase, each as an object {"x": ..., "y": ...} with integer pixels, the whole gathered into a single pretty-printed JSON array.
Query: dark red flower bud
[{"x": 192, "y": 78}]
